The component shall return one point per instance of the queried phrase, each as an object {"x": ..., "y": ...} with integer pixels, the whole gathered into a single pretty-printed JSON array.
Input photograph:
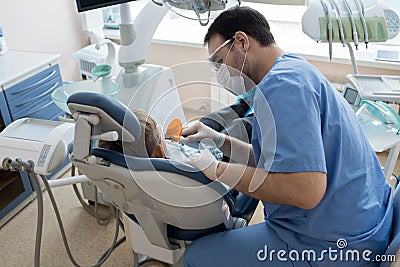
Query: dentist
[{"x": 309, "y": 162}]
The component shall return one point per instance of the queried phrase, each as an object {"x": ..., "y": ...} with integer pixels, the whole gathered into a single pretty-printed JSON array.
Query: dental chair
[{"x": 165, "y": 204}]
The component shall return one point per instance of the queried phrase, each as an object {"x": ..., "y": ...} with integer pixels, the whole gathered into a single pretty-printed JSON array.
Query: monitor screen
[
  {"x": 85, "y": 5},
  {"x": 351, "y": 95}
]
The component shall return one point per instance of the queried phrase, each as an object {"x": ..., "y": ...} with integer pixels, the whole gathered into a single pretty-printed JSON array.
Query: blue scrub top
[{"x": 317, "y": 131}]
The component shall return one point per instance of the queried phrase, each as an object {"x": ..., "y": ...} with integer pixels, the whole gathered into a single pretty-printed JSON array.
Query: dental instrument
[
  {"x": 380, "y": 23},
  {"x": 174, "y": 130},
  {"x": 353, "y": 24},
  {"x": 361, "y": 10},
  {"x": 328, "y": 15},
  {"x": 339, "y": 19}
]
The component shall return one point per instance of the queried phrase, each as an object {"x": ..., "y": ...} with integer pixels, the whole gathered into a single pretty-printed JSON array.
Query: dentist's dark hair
[{"x": 244, "y": 19}]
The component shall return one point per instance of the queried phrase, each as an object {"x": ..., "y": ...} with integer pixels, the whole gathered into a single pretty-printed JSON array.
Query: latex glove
[
  {"x": 198, "y": 131},
  {"x": 204, "y": 161}
]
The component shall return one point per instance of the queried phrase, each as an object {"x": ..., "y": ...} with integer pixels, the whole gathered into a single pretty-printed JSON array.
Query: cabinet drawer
[
  {"x": 31, "y": 83},
  {"x": 44, "y": 108},
  {"x": 29, "y": 99}
]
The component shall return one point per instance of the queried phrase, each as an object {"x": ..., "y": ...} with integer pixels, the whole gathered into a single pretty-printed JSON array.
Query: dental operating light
[{"x": 204, "y": 10}]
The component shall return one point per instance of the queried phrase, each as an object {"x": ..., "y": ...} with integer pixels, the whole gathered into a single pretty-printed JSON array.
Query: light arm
[{"x": 136, "y": 37}]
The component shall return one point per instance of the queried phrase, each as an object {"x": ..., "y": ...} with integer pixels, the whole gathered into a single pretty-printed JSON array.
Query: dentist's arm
[
  {"x": 300, "y": 189},
  {"x": 238, "y": 151}
]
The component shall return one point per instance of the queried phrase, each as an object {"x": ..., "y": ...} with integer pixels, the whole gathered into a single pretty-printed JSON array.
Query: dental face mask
[{"x": 234, "y": 84}]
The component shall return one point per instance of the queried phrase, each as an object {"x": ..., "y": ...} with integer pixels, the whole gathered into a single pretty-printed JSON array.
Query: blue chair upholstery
[
  {"x": 394, "y": 244},
  {"x": 115, "y": 109}
]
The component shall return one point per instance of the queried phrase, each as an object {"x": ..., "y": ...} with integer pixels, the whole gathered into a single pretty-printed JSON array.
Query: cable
[
  {"x": 353, "y": 59},
  {"x": 107, "y": 254},
  {"x": 60, "y": 223},
  {"x": 87, "y": 207},
  {"x": 135, "y": 259},
  {"x": 361, "y": 9},
  {"x": 339, "y": 19},
  {"x": 153, "y": 260},
  {"x": 328, "y": 15},
  {"x": 353, "y": 24},
  {"x": 119, "y": 242},
  {"x": 96, "y": 209},
  {"x": 28, "y": 167}
]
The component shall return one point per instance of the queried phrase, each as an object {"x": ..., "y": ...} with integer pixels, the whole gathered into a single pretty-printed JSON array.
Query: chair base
[{"x": 136, "y": 237}]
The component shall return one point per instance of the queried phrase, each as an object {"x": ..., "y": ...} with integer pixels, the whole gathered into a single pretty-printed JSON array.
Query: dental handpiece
[
  {"x": 361, "y": 9},
  {"x": 339, "y": 19},
  {"x": 328, "y": 15},
  {"x": 353, "y": 24}
]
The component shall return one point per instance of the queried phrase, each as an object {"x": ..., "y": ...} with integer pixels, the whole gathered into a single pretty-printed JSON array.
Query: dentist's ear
[{"x": 243, "y": 40}]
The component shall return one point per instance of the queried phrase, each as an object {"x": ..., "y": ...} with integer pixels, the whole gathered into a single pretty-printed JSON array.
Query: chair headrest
[{"x": 113, "y": 114}]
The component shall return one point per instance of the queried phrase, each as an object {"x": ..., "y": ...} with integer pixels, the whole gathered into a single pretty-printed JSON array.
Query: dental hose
[
  {"x": 96, "y": 210},
  {"x": 101, "y": 219},
  {"x": 353, "y": 24},
  {"x": 27, "y": 167},
  {"x": 92, "y": 212},
  {"x": 39, "y": 225},
  {"x": 335, "y": 7},
  {"x": 60, "y": 223}
]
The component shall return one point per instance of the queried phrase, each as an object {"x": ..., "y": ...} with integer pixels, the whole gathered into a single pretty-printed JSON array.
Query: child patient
[{"x": 151, "y": 143}]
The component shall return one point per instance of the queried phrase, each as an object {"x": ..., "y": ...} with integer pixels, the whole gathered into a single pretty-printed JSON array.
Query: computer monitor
[{"x": 85, "y": 5}]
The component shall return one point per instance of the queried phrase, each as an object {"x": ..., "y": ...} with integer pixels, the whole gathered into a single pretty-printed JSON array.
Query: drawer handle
[
  {"x": 39, "y": 96},
  {"x": 36, "y": 83},
  {"x": 39, "y": 109}
]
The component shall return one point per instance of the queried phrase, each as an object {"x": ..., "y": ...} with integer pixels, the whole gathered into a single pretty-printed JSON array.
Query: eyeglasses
[{"x": 211, "y": 59}]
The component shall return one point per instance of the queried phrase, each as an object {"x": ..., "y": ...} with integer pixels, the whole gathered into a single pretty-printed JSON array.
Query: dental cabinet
[{"x": 27, "y": 80}]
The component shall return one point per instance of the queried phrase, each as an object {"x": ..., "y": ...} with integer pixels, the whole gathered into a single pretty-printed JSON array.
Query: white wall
[
  {"x": 169, "y": 55},
  {"x": 52, "y": 26},
  {"x": 189, "y": 65}
]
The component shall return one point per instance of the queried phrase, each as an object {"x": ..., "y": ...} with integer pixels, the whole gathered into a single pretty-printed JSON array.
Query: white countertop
[{"x": 15, "y": 64}]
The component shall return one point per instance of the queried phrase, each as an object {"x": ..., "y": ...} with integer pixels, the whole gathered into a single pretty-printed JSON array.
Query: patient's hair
[{"x": 149, "y": 137}]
